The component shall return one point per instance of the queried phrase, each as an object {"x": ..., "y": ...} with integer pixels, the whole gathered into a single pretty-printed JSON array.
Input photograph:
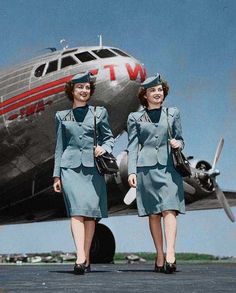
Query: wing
[{"x": 212, "y": 202}]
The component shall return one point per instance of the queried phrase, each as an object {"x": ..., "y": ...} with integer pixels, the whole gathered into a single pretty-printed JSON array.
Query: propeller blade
[
  {"x": 189, "y": 188},
  {"x": 217, "y": 153},
  {"x": 223, "y": 201},
  {"x": 130, "y": 196}
]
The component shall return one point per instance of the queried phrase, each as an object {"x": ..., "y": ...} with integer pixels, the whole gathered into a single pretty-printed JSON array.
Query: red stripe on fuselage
[
  {"x": 35, "y": 90},
  {"x": 33, "y": 99}
]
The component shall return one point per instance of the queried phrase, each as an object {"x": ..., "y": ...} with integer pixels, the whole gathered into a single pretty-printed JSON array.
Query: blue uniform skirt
[
  {"x": 84, "y": 191},
  {"x": 159, "y": 188}
]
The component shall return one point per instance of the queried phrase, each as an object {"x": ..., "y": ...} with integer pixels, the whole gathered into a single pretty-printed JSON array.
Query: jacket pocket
[
  {"x": 71, "y": 158},
  {"x": 147, "y": 157},
  {"x": 88, "y": 158}
]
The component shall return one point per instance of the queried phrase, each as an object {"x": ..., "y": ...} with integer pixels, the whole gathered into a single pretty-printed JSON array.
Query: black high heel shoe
[
  {"x": 159, "y": 269},
  {"x": 79, "y": 268},
  {"x": 87, "y": 268},
  {"x": 169, "y": 267}
]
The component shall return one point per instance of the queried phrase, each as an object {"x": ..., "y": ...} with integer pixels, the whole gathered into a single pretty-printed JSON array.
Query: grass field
[{"x": 196, "y": 257}]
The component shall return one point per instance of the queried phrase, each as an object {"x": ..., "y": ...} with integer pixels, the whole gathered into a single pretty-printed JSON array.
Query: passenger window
[
  {"x": 121, "y": 53},
  {"x": 67, "y": 61},
  {"x": 39, "y": 71},
  {"x": 104, "y": 53},
  {"x": 85, "y": 57},
  {"x": 52, "y": 66}
]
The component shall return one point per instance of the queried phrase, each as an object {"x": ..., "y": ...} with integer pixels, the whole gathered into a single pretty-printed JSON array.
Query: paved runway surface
[{"x": 195, "y": 278}]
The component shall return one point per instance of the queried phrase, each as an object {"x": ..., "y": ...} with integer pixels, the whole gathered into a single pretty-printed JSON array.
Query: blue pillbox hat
[
  {"x": 152, "y": 81},
  {"x": 82, "y": 77}
]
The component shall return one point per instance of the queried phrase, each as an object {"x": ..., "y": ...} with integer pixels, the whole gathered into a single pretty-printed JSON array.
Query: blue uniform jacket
[
  {"x": 148, "y": 142},
  {"x": 74, "y": 144}
]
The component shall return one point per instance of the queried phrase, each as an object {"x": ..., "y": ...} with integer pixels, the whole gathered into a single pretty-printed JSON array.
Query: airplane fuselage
[{"x": 31, "y": 94}]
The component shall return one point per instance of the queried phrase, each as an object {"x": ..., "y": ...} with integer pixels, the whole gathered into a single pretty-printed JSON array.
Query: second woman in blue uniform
[
  {"x": 75, "y": 173},
  {"x": 151, "y": 170}
]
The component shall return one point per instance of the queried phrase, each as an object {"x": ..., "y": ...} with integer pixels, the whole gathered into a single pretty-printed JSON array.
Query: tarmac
[{"x": 190, "y": 277}]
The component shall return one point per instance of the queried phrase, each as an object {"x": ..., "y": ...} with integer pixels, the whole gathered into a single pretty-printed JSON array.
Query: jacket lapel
[
  {"x": 69, "y": 116},
  {"x": 89, "y": 118},
  {"x": 143, "y": 116}
]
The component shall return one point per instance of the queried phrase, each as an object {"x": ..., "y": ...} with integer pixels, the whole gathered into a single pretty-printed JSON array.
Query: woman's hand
[
  {"x": 132, "y": 179},
  {"x": 98, "y": 151},
  {"x": 57, "y": 184},
  {"x": 175, "y": 144}
]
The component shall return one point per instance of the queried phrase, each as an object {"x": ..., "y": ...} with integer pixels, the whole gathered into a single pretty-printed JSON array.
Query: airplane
[{"x": 30, "y": 95}]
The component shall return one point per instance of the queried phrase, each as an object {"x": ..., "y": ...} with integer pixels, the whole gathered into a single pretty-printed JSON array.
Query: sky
[{"x": 192, "y": 43}]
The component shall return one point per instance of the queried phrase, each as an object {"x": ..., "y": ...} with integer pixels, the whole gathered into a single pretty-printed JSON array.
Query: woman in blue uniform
[
  {"x": 75, "y": 174},
  {"x": 159, "y": 186}
]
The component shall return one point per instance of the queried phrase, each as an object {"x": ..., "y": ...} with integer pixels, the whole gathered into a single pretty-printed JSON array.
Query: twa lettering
[
  {"x": 134, "y": 73},
  {"x": 138, "y": 70},
  {"x": 30, "y": 110}
]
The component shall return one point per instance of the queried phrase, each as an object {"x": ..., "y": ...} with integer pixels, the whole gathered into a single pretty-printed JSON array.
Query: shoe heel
[
  {"x": 158, "y": 269},
  {"x": 79, "y": 269},
  {"x": 170, "y": 268}
]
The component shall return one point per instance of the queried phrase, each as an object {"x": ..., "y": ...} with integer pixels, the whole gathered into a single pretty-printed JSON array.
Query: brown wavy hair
[
  {"x": 143, "y": 91},
  {"x": 69, "y": 87}
]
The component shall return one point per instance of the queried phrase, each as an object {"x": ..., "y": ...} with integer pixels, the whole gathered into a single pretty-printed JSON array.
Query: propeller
[
  {"x": 219, "y": 193},
  {"x": 223, "y": 201},
  {"x": 218, "y": 152},
  {"x": 130, "y": 196}
]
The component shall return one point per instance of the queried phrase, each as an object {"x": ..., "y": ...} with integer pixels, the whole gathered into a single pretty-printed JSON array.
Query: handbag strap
[
  {"x": 95, "y": 128},
  {"x": 168, "y": 124}
]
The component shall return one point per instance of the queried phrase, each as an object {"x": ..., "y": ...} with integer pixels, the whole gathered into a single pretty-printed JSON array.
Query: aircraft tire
[{"x": 103, "y": 245}]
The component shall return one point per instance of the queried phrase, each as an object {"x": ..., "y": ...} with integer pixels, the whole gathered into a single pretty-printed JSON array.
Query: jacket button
[
  {"x": 157, "y": 147},
  {"x": 81, "y": 149},
  {"x": 156, "y": 136},
  {"x": 80, "y": 124},
  {"x": 80, "y": 136}
]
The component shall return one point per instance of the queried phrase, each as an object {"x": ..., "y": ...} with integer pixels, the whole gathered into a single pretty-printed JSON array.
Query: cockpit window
[
  {"x": 52, "y": 66},
  {"x": 120, "y": 52},
  {"x": 39, "y": 70},
  {"x": 67, "y": 61},
  {"x": 69, "y": 51},
  {"x": 104, "y": 53},
  {"x": 85, "y": 57}
]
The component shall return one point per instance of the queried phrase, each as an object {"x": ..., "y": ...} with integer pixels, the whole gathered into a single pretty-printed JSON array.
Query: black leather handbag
[
  {"x": 106, "y": 163},
  {"x": 180, "y": 162}
]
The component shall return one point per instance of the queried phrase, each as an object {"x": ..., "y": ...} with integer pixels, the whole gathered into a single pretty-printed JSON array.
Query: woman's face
[
  {"x": 155, "y": 95},
  {"x": 81, "y": 92}
]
